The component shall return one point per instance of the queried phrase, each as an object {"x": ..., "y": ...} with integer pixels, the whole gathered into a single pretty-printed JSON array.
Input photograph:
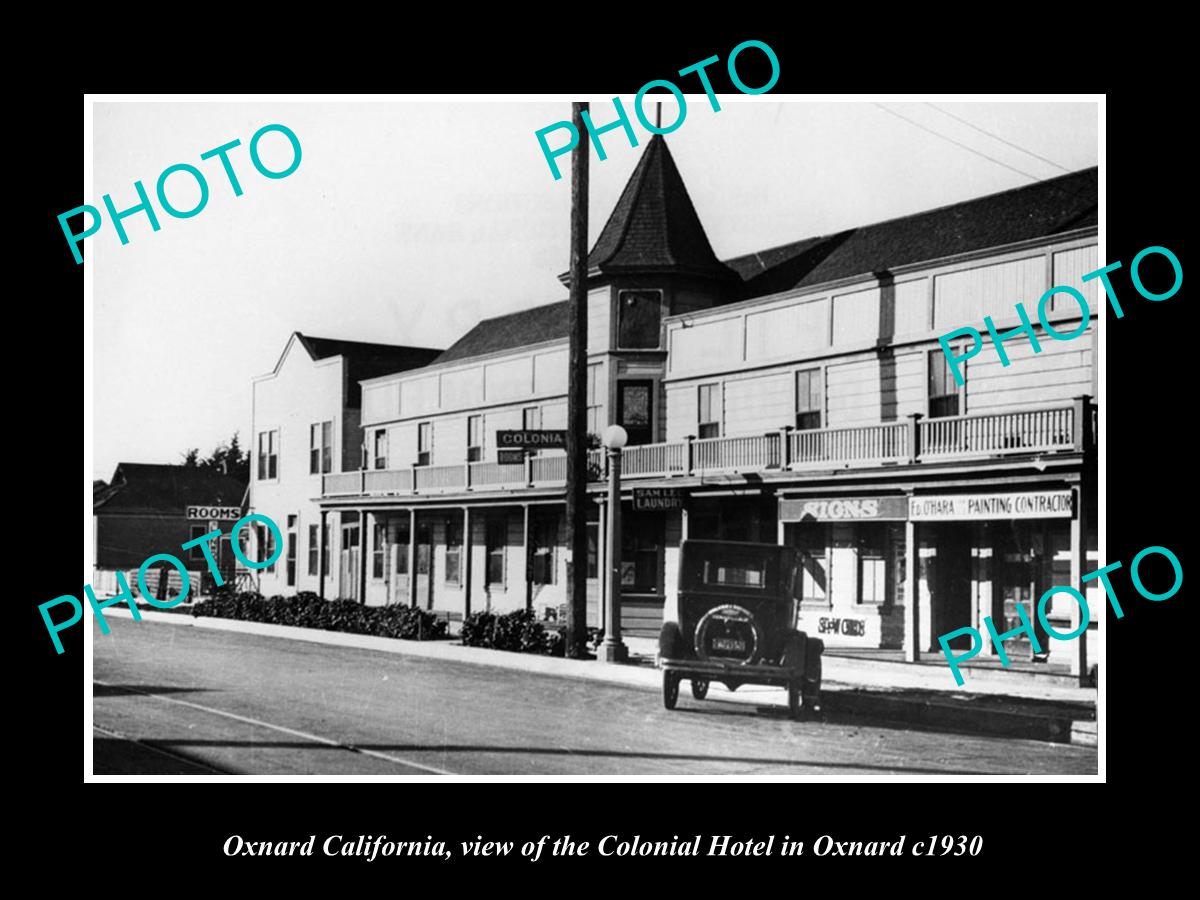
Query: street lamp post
[{"x": 611, "y": 648}]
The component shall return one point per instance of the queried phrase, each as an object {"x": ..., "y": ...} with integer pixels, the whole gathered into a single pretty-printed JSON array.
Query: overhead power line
[
  {"x": 1004, "y": 141},
  {"x": 966, "y": 147}
]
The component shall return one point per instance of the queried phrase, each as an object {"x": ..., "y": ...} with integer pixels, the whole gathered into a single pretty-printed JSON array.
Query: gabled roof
[
  {"x": 363, "y": 360},
  {"x": 1037, "y": 210},
  {"x": 165, "y": 489},
  {"x": 507, "y": 332},
  {"x": 654, "y": 226}
]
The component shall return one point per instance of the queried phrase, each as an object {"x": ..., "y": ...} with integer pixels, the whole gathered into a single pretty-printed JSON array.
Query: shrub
[
  {"x": 307, "y": 610},
  {"x": 518, "y": 631}
]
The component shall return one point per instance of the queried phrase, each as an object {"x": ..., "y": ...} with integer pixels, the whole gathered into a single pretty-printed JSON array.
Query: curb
[{"x": 839, "y": 698}]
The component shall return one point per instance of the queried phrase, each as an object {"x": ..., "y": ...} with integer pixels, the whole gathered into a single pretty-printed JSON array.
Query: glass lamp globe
[{"x": 615, "y": 437}]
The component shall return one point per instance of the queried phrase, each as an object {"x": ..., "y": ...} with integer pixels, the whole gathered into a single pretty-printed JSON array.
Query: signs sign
[
  {"x": 843, "y": 509},
  {"x": 219, "y": 513},
  {"x": 534, "y": 440},
  {"x": 647, "y": 499},
  {"x": 510, "y": 457},
  {"x": 1016, "y": 505}
]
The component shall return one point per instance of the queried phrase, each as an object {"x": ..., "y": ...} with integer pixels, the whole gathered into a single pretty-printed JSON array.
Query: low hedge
[
  {"x": 307, "y": 610},
  {"x": 519, "y": 631}
]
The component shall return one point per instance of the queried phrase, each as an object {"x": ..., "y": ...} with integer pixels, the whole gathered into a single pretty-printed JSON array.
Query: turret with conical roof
[
  {"x": 652, "y": 259},
  {"x": 654, "y": 227}
]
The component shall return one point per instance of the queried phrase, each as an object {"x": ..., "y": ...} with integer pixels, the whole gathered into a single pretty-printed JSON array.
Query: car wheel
[
  {"x": 670, "y": 689},
  {"x": 793, "y": 700},
  {"x": 699, "y": 688},
  {"x": 793, "y": 654}
]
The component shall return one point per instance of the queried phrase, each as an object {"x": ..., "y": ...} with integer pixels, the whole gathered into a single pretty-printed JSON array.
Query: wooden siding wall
[{"x": 863, "y": 383}]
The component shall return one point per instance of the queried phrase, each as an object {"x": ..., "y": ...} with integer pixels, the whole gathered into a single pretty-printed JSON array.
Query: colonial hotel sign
[{"x": 930, "y": 507}]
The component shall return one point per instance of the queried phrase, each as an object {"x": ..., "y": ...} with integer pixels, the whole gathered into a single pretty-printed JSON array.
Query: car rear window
[{"x": 742, "y": 574}]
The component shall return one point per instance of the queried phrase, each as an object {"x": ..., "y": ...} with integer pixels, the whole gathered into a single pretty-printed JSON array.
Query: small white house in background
[{"x": 306, "y": 418}]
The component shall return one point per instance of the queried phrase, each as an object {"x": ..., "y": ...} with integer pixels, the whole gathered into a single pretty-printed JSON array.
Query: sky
[{"x": 407, "y": 222}]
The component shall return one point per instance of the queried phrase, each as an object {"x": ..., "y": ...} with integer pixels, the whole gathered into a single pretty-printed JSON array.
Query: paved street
[{"x": 177, "y": 700}]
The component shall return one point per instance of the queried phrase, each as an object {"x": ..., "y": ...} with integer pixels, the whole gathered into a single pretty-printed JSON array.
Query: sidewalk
[{"x": 852, "y": 689}]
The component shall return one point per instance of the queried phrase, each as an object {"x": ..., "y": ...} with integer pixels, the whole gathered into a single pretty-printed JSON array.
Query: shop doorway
[
  {"x": 1017, "y": 581},
  {"x": 424, "y": 566},
  {"x": 397, "y": 566},
  {"x": 952, "y": 583}
]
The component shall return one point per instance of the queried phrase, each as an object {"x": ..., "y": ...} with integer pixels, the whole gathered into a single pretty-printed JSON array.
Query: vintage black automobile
[{"x": 737, "y": 624}]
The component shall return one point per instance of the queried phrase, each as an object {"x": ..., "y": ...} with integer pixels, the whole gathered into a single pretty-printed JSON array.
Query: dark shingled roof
[
  {"x": 1037, "y": 210},
  {"x": 167, "y": 490},
  {"x": 654, "y": 226},
  {"x": 518, "y": 329}
]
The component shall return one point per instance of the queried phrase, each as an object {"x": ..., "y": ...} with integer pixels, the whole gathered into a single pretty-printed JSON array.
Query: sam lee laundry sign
[{"x": 657, "y": 498}]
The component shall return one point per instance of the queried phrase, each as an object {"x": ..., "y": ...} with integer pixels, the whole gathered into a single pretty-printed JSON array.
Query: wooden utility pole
[{"x": 576, "y": 646}]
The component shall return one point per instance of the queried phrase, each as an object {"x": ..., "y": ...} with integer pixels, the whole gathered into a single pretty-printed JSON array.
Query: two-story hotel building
[{"x": 797, "y": 394}]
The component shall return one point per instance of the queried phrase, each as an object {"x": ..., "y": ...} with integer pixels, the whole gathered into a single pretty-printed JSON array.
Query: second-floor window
[
  {"x": 808, "y": 399},
  {"x": 708, "y": 411},
  {"x": 594, "y": 426},
  {"x": 640, "y": 319},
  {"x": 320, "y": 444},
  {"x": 381, "y": 449},
  {"x": 424, "y": 443},
  {"x": 943, "y": 392},
  {"x": 268, "y": 455},
  {"x": 474, "y": 438}
]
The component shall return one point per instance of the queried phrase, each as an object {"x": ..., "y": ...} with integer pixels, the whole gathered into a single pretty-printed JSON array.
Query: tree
[{"x": 227, "y": 458}]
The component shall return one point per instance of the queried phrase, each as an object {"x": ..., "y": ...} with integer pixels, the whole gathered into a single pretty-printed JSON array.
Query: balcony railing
[{"x": 915, "y": 440}]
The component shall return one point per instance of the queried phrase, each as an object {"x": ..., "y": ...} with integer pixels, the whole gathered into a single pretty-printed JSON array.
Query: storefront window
[
  {"x": 314, "y": 550},
  {"x": 545, "y": 539},
  {"x": 291, "y": 551},
  {"x": 401, "y": 552},
  {"x": 593, "y": 553},
  {"x": 378, "y": 549},
  {"x": 812, "y": 540},
  {"x": 454, "y": 538},
  {"x": 497, "y": 537},
  {"x": 639, "y": 554},
  {"x": 872, "y": 563}
]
